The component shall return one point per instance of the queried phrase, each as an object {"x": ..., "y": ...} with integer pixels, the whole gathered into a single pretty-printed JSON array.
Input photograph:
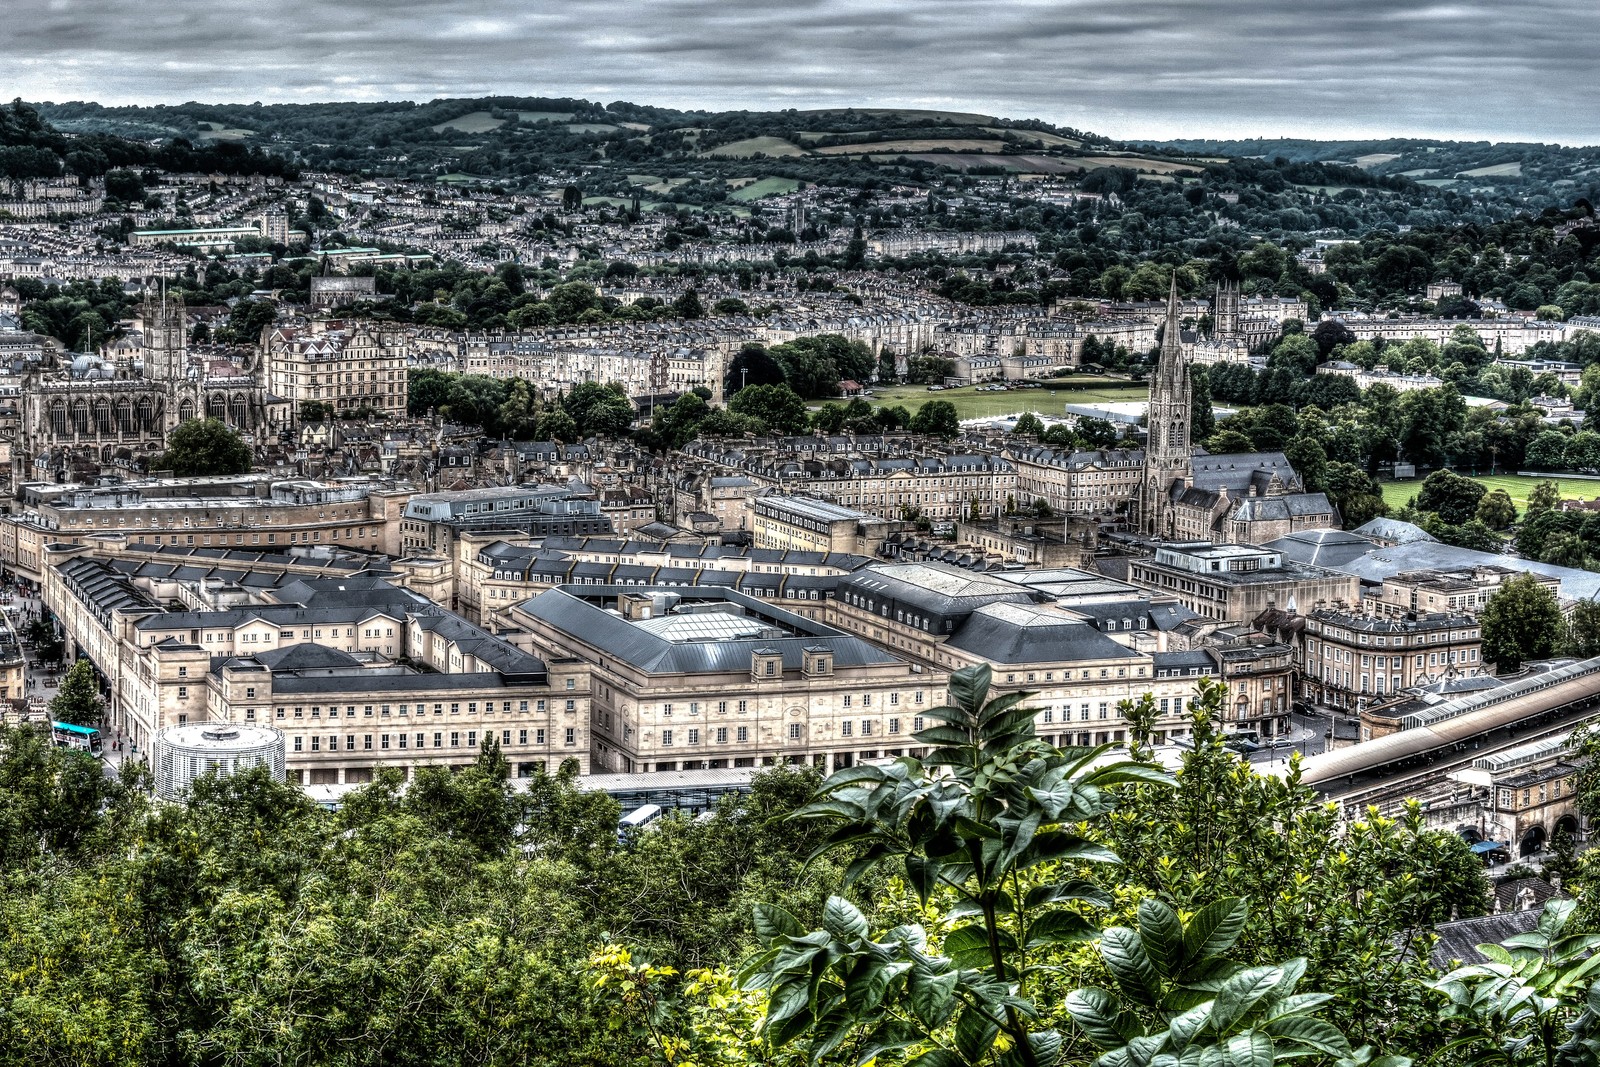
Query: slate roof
[
  {"x": 306, "y": 656},
  {"x": 1386, "y": 529},
  {"x": 1282, "y": 508},
  {"x": 1239, "y": 470},
  {"x": 1373, "y": 563},
  {"x": 1459, "y": 940},
  {"x": 935, "y": 588},
  {"x": 617, "y": 637},
  {"x": 1026, "y": 633}
]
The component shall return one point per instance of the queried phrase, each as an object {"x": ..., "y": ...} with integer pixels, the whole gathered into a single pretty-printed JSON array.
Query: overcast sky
[{"x": 1127, "y": 68}]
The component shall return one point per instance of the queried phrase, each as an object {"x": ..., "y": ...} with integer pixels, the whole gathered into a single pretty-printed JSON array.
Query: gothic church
[
  {"x": 1188, "y": 495},
  {"x": 92, "y": 415}
]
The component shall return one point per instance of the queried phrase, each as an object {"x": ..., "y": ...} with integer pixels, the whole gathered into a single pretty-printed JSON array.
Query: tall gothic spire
[
  {"x": 1167, "y": 450},
  {"x": 1172, "y": 333}
]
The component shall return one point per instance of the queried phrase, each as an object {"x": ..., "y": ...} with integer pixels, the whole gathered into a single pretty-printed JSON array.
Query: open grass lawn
[
  {"x": 765, "y": 187},
  {"x": 1498, "y": 170},
  {"x": 954, "y": 144},
  {"x": 971, "y": 404},
  {"x": 1397, "y": 494},
  {"x": 471, "y": 122},
  {"x": 752, "y": 146}
]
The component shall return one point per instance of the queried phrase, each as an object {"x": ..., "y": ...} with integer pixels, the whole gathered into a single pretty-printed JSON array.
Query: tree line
[{"x": 1000, "y": 901}]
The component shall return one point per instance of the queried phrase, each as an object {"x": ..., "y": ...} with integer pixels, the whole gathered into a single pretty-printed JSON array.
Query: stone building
[
  {"x": 93, "y": 413},
  {"x": 355, "y": 671},
  {"x": 706, "y": 678},
  {"x": 1236, "y": 583},
  {"x": 1352, "y": 661},
  {"x": 349, "y": 367}
]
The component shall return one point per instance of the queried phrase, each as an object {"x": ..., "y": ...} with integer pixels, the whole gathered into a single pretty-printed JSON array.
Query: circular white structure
[{"x": 184, "y": 753}]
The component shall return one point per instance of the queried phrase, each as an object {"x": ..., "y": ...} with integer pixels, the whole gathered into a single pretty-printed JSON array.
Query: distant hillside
[
  {"x": 1206, "y": 193},
  {"x": 1458, "y": 165}
]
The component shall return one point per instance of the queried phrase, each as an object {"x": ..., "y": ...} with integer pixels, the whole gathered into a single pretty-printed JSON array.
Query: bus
[
  {"x": 83, "y": 738},
  {"x": 638, "y": 819}
]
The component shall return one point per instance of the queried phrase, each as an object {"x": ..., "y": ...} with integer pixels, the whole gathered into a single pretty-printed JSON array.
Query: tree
[
  {"x": 1583, "y": 630},
  {"x": 315, "y": 410},
  {"x": 1202, "y": 419},
  {"x": 993, "y": 830},
  {"x": 124, "y": 185},
  {"x": 41, "y": 633},
  {"x": 599, "y": 410},
  {"x": 1029, "y": 424},
  {"x": 1542, "y": 498},
  {"x": 1532, "y": 1001},
  {"x": 1454, "y": 498},
  {"x": 1583, "y": 451},
  {"x": 752, "y": 366},
  {"x": 688, "y": 306},
  {"x": 1229, "y": 442},
  {"x": 1356, "y": 494},
  {"x": 1496, "y": 510},
  {"x": 204, "y": 448},
  {"x": 1310, "y": 462},
  {"x": 1565, "y": 550},
  {"x": 1521, "y": 621},
  {"x": 937, "y": 418},
  {"x": 1548, "y": 451},
  {"x": 986, "y": 777},
  {"x": 78, "y": 699},
  {"x": 571, "y": 198},
  {"x": 777, "y": 407}
]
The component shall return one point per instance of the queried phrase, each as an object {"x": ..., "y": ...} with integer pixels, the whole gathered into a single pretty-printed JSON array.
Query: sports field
[
  {"x": 1397, "y": 494},
  {"x": 971, "y": 404}
]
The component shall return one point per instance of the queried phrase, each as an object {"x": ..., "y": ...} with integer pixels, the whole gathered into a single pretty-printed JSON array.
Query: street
[{"x": 1308, "y": 736}]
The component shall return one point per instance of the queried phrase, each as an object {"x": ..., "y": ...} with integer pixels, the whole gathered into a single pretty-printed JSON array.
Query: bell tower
[{"x": 166, "y": 344}]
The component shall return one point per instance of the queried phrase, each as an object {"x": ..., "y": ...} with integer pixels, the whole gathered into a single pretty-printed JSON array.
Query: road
[{"x": 1307, "y": 734}]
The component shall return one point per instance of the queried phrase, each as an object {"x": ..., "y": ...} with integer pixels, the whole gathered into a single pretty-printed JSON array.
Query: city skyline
[{"x": 1222, "y": 68}]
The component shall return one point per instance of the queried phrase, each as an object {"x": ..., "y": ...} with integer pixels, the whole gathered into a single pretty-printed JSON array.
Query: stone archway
[{"x": 1533, "y": 840}]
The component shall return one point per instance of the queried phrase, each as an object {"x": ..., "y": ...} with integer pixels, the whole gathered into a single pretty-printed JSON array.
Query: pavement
[{"x": 1306, "y": 735}]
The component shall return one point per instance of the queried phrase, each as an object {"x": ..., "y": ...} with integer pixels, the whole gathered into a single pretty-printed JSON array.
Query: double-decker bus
[{"x": 84, "y": 738}]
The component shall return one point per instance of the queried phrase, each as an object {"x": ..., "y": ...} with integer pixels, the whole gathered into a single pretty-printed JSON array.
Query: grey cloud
[{"x": 1469, "y": 68}]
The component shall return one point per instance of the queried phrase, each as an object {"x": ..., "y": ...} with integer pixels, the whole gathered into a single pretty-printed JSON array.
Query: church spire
[
  {"x": 1172, "y": 333},
  {"x": 1167, "y": 457}
]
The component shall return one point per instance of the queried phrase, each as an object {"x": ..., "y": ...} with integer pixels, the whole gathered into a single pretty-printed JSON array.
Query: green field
[
  {"x": 752, "y": 146},
  {"x": 1499, "y": 170},
  {"x": 971, "y": 404},
  {"x": 544, "y": 116},
  {"x": 471, "y": 122},
  {"x": 1397, "y": 494},
  {"x": 764, "y": 187}
]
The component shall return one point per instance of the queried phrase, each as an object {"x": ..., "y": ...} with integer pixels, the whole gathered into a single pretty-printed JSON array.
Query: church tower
[
  {"x": 166, "y": 347},
  {"x": 1168, "y": 455},
  {"x": 1225, "y": 310}
]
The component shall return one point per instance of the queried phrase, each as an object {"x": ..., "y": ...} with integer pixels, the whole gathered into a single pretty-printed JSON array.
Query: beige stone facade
[
  {"x": 346, "y": 366},
  {"x": 1353, "y": 661},
  {"x": 1236, "y": 583}
]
